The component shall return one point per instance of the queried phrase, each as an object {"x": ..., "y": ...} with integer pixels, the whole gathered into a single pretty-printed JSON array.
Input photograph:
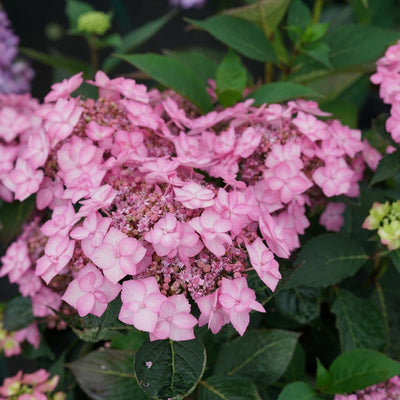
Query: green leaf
[
  {"x": 175, "y": 75},
  {"x": 129, "y": 341},
  {"x": 323, "y": 378},
  {"x": 18, "y": 314},
  {"x": 359, "y": 322},
  {"x": 314, "y": 32},
  {"x": 241, "y": 35},
  {"x": 74, "y": 9},
  {"x": 136, "y": 38},
  {"x": 203, "y": 66},
  {"x": 12, "y": 217},
  {"x": 231, "y": 78},
  {"x": 261, "y": 355},
  {"x": 107, "y": 375},
  {"x": 68, "y": 64},
  {"x": 296, "y": 368},
  {"x": 170, "y": 370},
  {"x": 358, "y": 369},
  {"x": 268, "y": 13},
  {"x": 388, "y": 167},
  {"x": 298, "y": 391},
  {"x": 299, "y": 14},
  {"x": 43, "y": 351},
  {"x": 222, "y": 387},
  {"x": 300, "y": 304},
  {"x": 319, "y": 52},
  {"x": 327, "y": 259},
  {"x": 276, "y": 92}
]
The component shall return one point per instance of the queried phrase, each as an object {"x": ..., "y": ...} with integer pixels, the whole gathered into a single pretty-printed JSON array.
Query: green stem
[
  {"x": 382, "y": 304},
  {"x": 94, "y": 60},
  {"x": 317, "y": 9}
]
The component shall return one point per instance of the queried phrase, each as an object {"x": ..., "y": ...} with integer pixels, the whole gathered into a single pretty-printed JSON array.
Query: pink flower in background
[
  {"x": 90, "y": 292},
  {"x": 62, "y": 90},
  {"x": 141, "y": 302},
  {"x": 332, "y": 218},
  {"x": 16, "y": 261},
  {"x": 187, "y": 3}
]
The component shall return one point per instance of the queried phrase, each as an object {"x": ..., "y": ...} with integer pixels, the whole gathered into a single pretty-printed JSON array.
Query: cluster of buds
[
  {"x": 139, "y": 195},
  {"x": 388, "y": 390},
  {"x": 34, "y": 386},
  {"x": 386, "y": 219}
]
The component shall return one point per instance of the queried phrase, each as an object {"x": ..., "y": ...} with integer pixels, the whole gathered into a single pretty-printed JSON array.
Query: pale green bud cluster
[
  {"x": 95, "y": 22},
  {"x": 386, "y": 219}
]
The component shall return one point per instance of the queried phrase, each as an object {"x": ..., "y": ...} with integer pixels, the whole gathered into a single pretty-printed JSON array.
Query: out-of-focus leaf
[
  {"x": 173, "y": 74},
  {"x": 359, "y": 322},
  {"x": 327, "y": 259},
  {"x": 231, "y": 78},
  {"x": 276, "y": 92},
  {"x": 319, "y": 52},
  {"x": 296, "y": 368},
  {"x": 69, "y": 64},
  {"x": 136, "y": 38},
  {"x": 388, "y": 167},
  {"x": 323, "y": 377},
  {"x": 241, "y": 35},
  {"x": 268, "y": 13},
  {"x": 299, "y": 15},
  {"x": 358, "y": 369},
  {"x": 18, "y": 314},
  {"x": 107, "y": 375},
  {"x": 223, "y": 387},
  {"x": 170, "y": 370},
  {"x": 298, "y": 391}
]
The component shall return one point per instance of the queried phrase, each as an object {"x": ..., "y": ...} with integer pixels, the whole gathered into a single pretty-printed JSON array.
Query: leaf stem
[{"x": 317, "y": 9}]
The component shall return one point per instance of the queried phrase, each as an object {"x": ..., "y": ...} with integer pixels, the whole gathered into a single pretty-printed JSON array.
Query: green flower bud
[
  {"x": 95, "y": 22},
  {"x": 376, "y": 215}
]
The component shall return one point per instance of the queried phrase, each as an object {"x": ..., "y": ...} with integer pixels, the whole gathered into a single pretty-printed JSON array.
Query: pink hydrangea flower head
[
  {"x": 16, "y": 261},
  {"x": 141, "y": 302},
  {"x": 193, "y": 196},
  {"x": 62, "y": 90}
]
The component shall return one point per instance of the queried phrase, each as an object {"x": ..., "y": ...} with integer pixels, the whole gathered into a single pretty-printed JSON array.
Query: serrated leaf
[
  {"x": 202, "y": 66},
  {"x": 68, "y": 64},
  {"x": 298, "y": 391},
  {"x": 170, "y": 370},
  {"x": 300, "y": 304},
  {"x": 327, "y": 259},
  {"x": 18, "y": 314},
  {"x": 388, "y": 167},
  {"x": 136, "y": 38},
  {"x": 263, "y": 12},
  {"x": 261, "y": 355},
  {"x": 241, "y": 35},
  {"x": 173, "y": 74},
  {"x": 12, "y": 218},
  {"x": 107, "y": 375},
  {"x": 223, "y": 387},
  {"x": 276, "y": 92},
  {"x": 358, "y": 369}
]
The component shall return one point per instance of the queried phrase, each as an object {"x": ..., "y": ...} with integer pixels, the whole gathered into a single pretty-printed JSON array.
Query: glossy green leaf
[
  {"x": 173, "y": 74},
  {"x": 300, "y": 304},
  {"x": 268, "y": 13},
  {"x": 241, "y": 35},
  {"x": 327, "y": 259},
  {"x": 261, "y": 355},
  {"x": 107, "y": 375},
  {"x": 360, "y": 368},
  {"x": 298, "y": 391},
  {"x": 359, "y": 322},
  {"x": 202, "y": 66},
  {"x": 68, "y": 64},
  {"x": 18, "y": 314},
  {"x": 388, "y": 167},
  {"x": 136, "y": 38},
  {"x": 170, "y": 370},
  {"x": 12, "y": 217},
  {"x": 231, "y": 78},
  {"x": 223, "y": 387},
  {"x": 280, "y": 91}
]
